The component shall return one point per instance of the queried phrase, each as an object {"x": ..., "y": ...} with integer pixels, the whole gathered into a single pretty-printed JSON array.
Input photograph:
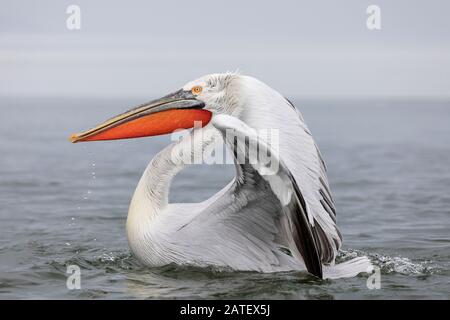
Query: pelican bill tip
[{"x": 73, "y": 138}]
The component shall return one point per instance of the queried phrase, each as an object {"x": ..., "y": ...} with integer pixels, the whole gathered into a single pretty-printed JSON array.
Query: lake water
[{"x": 63, "y": 204}]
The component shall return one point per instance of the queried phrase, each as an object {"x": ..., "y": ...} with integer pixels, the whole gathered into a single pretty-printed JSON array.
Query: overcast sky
[{"x": 317, "y": 49}]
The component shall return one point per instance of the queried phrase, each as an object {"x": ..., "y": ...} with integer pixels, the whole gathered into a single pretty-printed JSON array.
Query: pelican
[{"x": 264, "y": 220}]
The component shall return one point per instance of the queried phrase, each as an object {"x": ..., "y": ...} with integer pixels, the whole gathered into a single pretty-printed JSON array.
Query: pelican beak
[{"x": 179, "y": 110}]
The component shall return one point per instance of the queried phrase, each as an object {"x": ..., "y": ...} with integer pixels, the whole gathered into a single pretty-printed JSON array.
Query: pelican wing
[
  {"x": 275, "y": 182},
  {"x": 310, "y": 171}
]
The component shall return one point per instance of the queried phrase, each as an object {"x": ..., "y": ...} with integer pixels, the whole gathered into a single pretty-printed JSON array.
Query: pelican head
[{"x": 197, "y": 101}]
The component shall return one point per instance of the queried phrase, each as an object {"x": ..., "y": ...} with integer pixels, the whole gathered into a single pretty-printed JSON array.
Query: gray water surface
[{"x": 63, "y": 204}]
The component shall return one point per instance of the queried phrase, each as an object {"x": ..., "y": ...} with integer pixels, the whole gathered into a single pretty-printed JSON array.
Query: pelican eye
[{"x": 196, "y": 90}]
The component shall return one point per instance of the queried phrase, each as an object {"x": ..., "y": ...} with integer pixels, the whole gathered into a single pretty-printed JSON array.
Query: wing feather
[{"x": 299, "y": 233}]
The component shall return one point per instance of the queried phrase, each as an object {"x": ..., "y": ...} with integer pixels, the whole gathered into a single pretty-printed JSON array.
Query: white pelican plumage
[{"x": 263, "y": 220}]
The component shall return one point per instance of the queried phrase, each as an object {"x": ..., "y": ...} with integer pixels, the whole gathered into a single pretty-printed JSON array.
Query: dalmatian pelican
[{"x": 265, "y": 219}]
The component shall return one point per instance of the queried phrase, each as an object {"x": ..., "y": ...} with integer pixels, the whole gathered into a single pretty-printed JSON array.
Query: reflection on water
[{"x": 64, "y": 204}]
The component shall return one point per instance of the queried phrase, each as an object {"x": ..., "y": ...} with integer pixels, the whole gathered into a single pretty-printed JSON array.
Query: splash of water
[{"x": 387, "y": 264}]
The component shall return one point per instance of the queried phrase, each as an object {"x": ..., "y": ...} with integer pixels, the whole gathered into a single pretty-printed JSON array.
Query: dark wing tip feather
[{"x": 303, "y": 235}]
